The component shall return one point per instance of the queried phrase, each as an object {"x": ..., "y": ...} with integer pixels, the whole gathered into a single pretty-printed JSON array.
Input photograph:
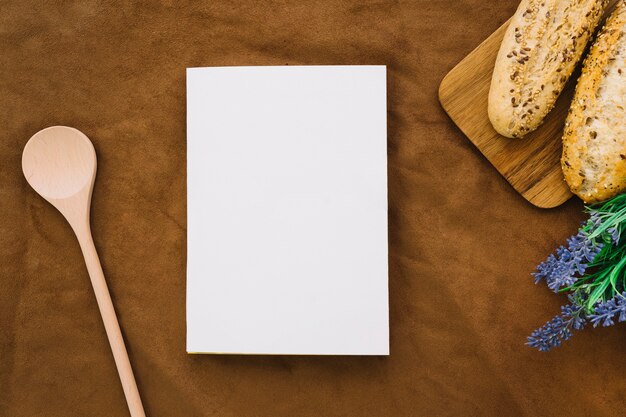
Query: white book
[{"x": 287, "y": 210}]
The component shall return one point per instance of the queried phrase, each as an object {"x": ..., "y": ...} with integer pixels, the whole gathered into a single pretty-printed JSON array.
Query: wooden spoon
[{"x": 60, "y": 164}]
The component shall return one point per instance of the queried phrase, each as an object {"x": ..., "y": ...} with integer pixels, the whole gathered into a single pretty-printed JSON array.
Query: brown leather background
[{"x": 462, "y": 242}]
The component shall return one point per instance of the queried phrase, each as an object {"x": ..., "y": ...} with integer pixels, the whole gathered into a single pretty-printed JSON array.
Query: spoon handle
[{"x": 111, "y": 325}]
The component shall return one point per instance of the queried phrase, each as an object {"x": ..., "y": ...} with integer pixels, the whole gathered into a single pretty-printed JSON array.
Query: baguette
[
  {"x": 542, "y": 45},
  {"x": 594, "y": 140}
]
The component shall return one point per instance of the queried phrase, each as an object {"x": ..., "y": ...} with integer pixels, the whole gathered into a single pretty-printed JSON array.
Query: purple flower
[
  {"x": 605, "y": 312},
  {"x": 614, "y": 232},
  {"x": 594, "y": 221},
  {"x": 562, "y": 268},
  {"x": 575, "y": 314},
  {"x": 558, "y": 329}
]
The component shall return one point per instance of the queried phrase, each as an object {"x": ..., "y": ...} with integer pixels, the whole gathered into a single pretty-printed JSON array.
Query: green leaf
[{"x": 597, "y": 294}]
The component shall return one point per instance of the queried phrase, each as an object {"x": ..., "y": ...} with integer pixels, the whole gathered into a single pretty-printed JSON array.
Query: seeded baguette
[
  {"x": 541, "y": 47},
  {"x": 594, "y": 140}
]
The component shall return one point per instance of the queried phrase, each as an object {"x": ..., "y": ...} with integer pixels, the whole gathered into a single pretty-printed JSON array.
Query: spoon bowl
[{"x": 59, "y": 162}]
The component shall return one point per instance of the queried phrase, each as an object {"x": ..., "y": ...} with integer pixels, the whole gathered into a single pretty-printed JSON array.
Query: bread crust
[
  {"x": 594, "y": 139},
  {"x": 541, "y": 48}
]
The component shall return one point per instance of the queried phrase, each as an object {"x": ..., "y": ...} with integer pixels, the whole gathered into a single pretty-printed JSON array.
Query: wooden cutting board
[{"x": 532, "y": 164}]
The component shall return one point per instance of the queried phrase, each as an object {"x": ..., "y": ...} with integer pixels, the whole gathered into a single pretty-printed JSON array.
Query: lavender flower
[
  {"x": 575, "y": 314},
  {"x": 594, "y": 221},
  {"x": 592, "y": 268},
  {"x": 604, "y": 312},
  {"x": 563, "y": 268},
  {"x": 559, "y": 328},
  {"x": 614, "y": 232}
]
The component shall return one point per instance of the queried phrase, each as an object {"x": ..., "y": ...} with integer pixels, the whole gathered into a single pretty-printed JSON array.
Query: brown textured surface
[{"x": 462, "y": 242}]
